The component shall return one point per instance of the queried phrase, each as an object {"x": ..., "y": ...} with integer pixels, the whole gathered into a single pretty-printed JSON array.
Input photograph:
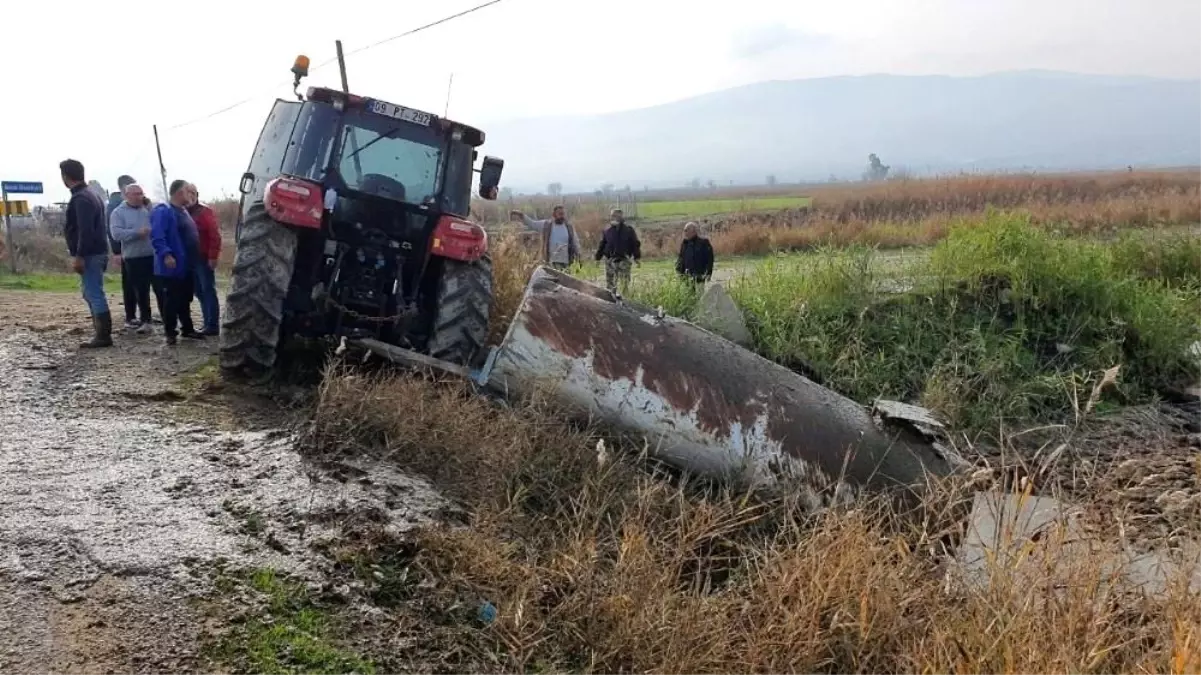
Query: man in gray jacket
[
  {"x": 560, "y": 247},
  {"x": 129, "y": 224}
]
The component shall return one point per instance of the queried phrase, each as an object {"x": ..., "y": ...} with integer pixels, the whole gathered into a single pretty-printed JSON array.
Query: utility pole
[
  {"x": 8, "y": 231},
  {"x": 342, "y": 67},
  {"x": 161, "y": 167}
]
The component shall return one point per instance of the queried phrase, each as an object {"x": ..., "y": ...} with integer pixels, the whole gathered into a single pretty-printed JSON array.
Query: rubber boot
[{"x": 103, "y": 324}]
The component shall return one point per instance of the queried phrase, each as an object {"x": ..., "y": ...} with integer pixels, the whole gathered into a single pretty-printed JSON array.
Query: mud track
[{"x": 124, "y": 481}]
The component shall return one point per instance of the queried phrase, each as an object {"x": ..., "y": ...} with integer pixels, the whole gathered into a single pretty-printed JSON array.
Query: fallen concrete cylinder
[{"x": 704, "y": 404}]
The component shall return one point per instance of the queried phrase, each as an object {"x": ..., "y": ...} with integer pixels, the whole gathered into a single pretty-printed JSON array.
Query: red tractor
[{"x": 354, "y": 223}]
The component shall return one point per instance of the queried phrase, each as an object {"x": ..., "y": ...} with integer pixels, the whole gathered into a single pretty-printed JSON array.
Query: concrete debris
[
  {"x": 717, "y": 312},
  {"x": 1039, "y": 542}
]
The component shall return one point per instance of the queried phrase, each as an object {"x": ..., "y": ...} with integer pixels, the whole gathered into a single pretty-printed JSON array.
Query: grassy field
[
  {"x": 52, "y": 281},
  {"x": 595, "y": 566},
  {"x": 1003, "y": 318},
  {"x": 702, "y": 208},
  {"x": 901, "y": 213}
]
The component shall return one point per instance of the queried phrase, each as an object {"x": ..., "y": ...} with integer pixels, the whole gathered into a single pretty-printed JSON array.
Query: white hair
[{"x": 132, "y": 186}]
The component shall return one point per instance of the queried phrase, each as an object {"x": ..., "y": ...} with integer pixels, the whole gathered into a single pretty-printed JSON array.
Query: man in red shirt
[{"x": 205, "y": 269}]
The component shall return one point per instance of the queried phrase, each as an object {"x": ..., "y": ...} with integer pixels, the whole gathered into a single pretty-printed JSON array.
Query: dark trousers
[
  {"x": 175, "y": 303},
  {"x": 136, "y": 277},
  {"x": 127, "y": 297}
]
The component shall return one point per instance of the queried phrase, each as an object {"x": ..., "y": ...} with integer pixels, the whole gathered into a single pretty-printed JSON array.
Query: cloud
[{"x": 767, "y": 39}]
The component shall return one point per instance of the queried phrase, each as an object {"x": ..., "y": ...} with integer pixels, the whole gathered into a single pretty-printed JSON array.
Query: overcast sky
[{"x": 88, "y": 79}]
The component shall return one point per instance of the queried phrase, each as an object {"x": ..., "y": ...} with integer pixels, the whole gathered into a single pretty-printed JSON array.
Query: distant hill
[{"x": 810, "y": 129}]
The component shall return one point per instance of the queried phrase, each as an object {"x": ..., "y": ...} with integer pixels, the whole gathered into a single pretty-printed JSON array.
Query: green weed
[
  {"x": 50, "y": 281},
  {"x": 289, "y": 635},
  {"x": 1006, "y": 320},
  {"x": 1174, "y": 259}
]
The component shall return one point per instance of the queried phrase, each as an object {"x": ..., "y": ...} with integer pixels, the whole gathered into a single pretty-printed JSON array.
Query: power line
[
  {"x": 419, "y": 29},
  {"x": 225, "y": 109},
  {"x": 334, "y": 59}
]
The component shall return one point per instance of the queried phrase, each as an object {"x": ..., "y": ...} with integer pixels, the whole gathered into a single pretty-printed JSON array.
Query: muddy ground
[
  {"x": 131, "y": 481},
  {"x": 127, "y": 481}
]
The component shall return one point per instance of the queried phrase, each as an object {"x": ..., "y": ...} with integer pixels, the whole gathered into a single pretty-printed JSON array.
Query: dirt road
[{"x": 123, "y": 483}]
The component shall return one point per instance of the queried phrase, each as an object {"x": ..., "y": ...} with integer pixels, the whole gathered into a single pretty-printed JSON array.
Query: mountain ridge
[{"x": 809, "y": 129}]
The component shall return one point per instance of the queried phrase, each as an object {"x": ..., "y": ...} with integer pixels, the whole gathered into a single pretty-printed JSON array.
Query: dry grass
[
  {"x": 37, "y": 251},
  {"x": 606, "y": 568},
  {"x": 513, "y": 261},
  {"x": 227, "y": 217},
  {"x": 920, "y": 212},
  {"x": 915, "y": 212}
]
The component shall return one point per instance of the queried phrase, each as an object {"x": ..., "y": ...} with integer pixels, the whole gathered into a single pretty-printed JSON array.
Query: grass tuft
[{"x": 288, "y": 634}]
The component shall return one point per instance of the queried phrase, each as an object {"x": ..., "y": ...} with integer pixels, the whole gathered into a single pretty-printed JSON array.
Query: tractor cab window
[
  {"x": 390, "y": 158},
  {"x": 456, "y": 191}
]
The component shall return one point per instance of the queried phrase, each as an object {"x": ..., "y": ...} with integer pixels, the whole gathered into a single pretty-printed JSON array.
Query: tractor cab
[{"x": 374, "y": 199}]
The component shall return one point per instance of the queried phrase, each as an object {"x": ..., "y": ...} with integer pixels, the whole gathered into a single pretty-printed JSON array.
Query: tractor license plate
[{"x": 400, "y": 112}]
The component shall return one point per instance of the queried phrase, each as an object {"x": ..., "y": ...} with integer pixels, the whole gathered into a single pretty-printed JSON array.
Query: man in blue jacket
[
  {"x": 87, "y": 242},
  {"x": 170, "y": 236}
]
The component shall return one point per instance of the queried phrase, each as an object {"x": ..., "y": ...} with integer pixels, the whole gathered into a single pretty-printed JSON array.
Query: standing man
[
  {"x": 695, "y": 261},
  {"x": 619, "y": 246},
  {"x": 169, "y": 235},
  {"x": 560, "y": 248},
  {"x": 129, "y": 227},
  {"x": 87, "y": 242},
  {"x": 127, "y": 293},
  {"x": 208, "y": 233}
]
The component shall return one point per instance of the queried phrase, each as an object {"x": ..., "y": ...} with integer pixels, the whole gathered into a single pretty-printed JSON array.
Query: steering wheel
[{"x": 382, "y": 186}]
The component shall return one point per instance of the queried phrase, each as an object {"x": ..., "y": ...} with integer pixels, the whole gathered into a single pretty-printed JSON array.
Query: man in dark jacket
[
  {"x": 174, "y": 254},
  {"x": 619, "y": 246},
  {"x": 128, "y": 292},
  {"x": 695, "y": 261},
  {"x": 87, "y": 242}
]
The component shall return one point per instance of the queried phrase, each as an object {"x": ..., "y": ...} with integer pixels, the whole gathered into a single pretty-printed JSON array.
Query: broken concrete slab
[
  {"x": 1038, "y": 541},
  {"x": 718, "y": 313},
  {"x": 1001, "y": 526}
]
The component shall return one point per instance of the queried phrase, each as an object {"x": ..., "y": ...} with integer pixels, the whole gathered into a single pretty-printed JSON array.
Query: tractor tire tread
[
  {"x": 254, "y": 308},
  {"x": 464, "y": 303}
]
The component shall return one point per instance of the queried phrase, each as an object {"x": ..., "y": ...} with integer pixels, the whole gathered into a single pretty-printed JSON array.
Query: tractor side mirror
[
  {"x": 490, "y": 172},
  {"x": 247, "y": 183}
]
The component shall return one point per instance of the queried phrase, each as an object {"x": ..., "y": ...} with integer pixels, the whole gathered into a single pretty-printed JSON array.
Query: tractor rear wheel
[
  {"x": 254, "y": 308},
  {"x": 463, "y": 304}
]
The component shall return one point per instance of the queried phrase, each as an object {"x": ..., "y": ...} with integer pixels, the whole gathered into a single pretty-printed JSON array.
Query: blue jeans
[
  {"x": 206, "y": 296},
  {"x": 91, "y": 282}
]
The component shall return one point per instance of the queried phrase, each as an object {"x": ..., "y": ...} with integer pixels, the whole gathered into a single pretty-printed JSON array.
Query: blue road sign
[{"x": 21, "y": 187}]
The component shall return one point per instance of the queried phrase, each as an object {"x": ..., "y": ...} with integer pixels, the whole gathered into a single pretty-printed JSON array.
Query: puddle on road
[{"x": 86, "y": 490}]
